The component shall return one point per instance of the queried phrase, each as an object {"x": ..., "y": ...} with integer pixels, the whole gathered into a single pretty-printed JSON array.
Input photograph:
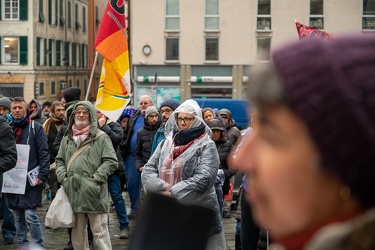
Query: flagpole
[{"x": 92, "y": 75}]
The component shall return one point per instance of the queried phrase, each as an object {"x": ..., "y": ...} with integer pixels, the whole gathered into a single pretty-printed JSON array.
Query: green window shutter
[
  {"x": 58, "y": 53},
  {"x": 45, "y": 51},
  {"x": 23, "y": 10},
  {"x": 49, "y": 11},
  {"x": 42, "y": 18},
  {"x": 69, "y": 14},
  {"x": 74, "y": 55},
  {"x": 38, "y": 51},
  {"x": 23, "y": 50},
  {"x": 56, "y": 12},
  {"x": 84, "y": 19},
  {"x": 1, "y": 10},
  {"x": 50, "y": 42}
]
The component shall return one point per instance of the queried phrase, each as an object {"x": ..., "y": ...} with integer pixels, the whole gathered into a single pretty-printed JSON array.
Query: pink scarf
[
  {"x": 80, "y": 135},
  {"x": 172, "y": 173}
]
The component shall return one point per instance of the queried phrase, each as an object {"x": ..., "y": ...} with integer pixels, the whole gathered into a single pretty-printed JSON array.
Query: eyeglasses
[
  {"x": 165, "y": 111},
  {"x": 185, "y": 120}
]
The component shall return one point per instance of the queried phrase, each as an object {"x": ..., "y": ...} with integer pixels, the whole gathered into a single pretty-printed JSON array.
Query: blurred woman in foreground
[{"x": 310, "y": 159}]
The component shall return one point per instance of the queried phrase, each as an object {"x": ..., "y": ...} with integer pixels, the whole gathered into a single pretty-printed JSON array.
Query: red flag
[{"x": 307, "y": 33}]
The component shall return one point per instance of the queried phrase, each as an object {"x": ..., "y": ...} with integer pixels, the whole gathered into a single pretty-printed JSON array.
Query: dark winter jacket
[
  {"x": 128, "y": 133},
  {"x": 223, "y": 148},
  {"x": 233, "y": 133},
  {"x": 39, "y": 156},
  {"x": 145, "y": 138},
  {"x": 8, "y": 151},
  {"x": 115, "y": 132},
  {"x": 51, "y": 140}
]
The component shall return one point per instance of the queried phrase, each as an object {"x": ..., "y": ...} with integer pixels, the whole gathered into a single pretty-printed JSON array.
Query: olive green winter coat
[{"x": 85, "y": 183}]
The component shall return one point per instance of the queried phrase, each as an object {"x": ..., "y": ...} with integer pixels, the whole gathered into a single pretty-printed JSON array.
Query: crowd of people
[{"x": 307, "y": 157}]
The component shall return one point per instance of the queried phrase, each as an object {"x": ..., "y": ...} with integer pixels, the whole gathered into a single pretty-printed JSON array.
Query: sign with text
[{"x": 14, "y": 180}]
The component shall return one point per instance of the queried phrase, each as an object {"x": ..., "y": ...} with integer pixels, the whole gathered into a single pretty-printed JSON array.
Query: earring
[{"x": 345, "y": 193}]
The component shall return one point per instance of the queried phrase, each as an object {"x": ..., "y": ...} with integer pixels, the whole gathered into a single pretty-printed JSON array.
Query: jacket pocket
[{"x": 90, "y": 188}]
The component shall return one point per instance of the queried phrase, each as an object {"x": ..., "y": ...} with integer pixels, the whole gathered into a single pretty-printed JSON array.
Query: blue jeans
[
  {"x": 133, "y": 182},
  {"x": 8, "y": 228},
  {"x": 28, "y": 218},
  {"x": 114, "y": 188}
]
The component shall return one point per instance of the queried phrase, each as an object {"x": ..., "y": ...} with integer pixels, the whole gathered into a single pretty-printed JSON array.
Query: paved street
[{"x": 56, "y": 239}]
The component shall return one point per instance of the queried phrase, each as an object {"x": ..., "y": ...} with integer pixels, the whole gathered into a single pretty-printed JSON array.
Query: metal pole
[
  {"x": 91, "y": 76},
  {"x": 156, "y": 90}
]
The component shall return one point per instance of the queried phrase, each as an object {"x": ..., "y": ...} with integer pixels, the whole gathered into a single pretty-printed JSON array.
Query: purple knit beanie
[
  {"x": 331, "y": 86},
  {"x": 172, "y": 103}
]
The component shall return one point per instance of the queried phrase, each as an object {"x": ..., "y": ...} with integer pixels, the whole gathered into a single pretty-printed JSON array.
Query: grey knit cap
[
  {"x": 151, "y": 110},
  {"x": 5, "y": 102}
]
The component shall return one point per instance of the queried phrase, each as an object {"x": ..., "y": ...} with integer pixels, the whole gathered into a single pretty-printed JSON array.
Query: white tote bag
[{"x": 60, "y": 213}]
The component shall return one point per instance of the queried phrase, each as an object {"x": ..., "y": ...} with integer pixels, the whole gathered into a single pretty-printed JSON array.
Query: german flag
[{"x": 111, "y": 42}]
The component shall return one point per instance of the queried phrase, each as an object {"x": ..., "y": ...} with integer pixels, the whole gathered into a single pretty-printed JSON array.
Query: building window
[
  {"x": 62, "y": 18},
  {"x": 264, "y": 15},
  {"x": 78, "y": 25},
  {"x": 11, "y": 50},
  {"x": 212, "y": 15},
  {"x": 263, "y": 48},
  {"x": 40, "y": 51},
  {"x": 172, "y": 16},
  {"x": 83, "y": 19},
  {"x": 77, "y": 83},
  {"x": 11, "y": 89},
  {"x": 70, "y": 83},
  {"x": 85, "y": 85},
  {"x": 52, "y": 12},
  {"x": 41, "y": 88},
  {"x": 368, "y": 19},
  {"x": 42, "y": 18},
  {"x": 212, "y": 49},
  {"x": 11, "y": 9},
  {"x": 53, "y": 87},
  {"x": 316, "y": 14},
  {"x": 172, "y": 49},
  {"x": 63, "y": 55}
]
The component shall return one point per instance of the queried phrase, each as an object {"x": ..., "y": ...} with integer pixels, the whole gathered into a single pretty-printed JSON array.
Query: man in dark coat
[
  {"x": 51, "y": 127},
  {"x": 145, "y": 137},
  {"x": 8, "y": 229},
  {"x": 224, "y": 146},
  {"x": 233, "y": 132},
  {"x": 25, "y": 205},
  {"x": 8, "y": 159},
  {"x": 127, "y": 147}
]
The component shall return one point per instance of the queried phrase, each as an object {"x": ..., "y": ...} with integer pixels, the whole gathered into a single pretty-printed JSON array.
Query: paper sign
[
  {"x": 14, "y": 180},
  {"x": 32, "y": 175}
]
